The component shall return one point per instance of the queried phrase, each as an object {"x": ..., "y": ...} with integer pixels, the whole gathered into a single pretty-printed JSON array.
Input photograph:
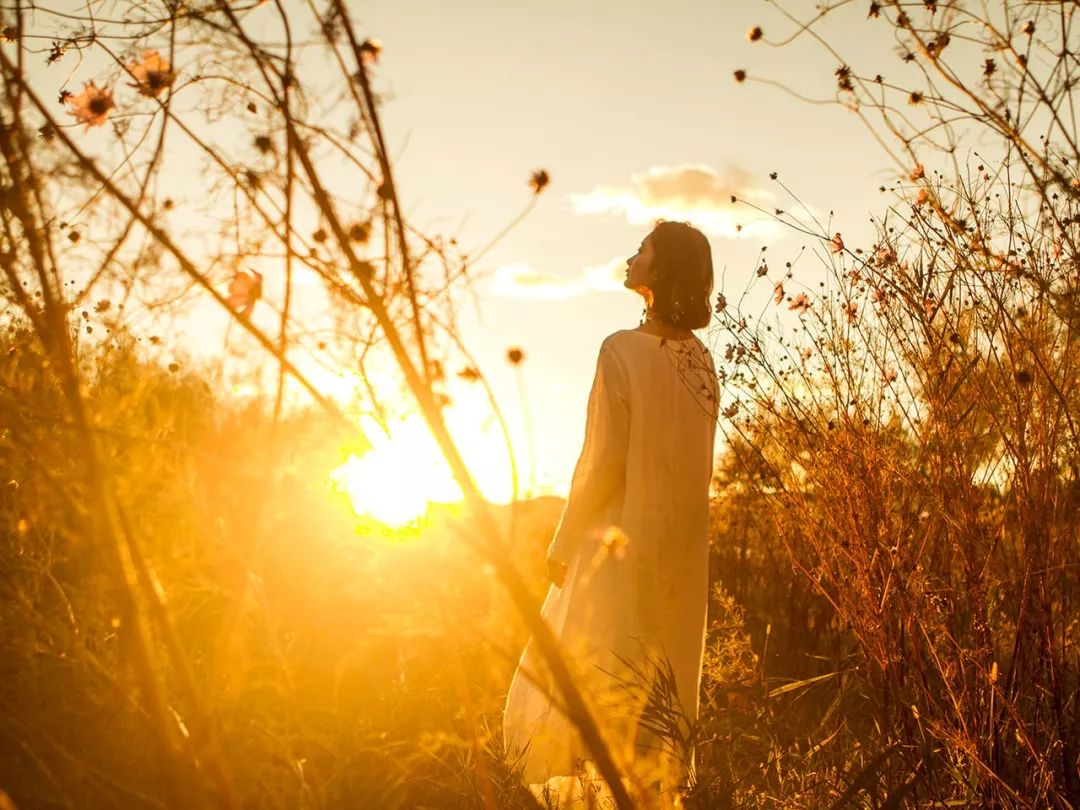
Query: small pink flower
[
  {"x": 91, "y": 106},
  {"x": 370, "y": 50},
  {"x": 244, "y": 290},
  {"x": 152, "y": 75},
  {"x": 885, "y": 257}
]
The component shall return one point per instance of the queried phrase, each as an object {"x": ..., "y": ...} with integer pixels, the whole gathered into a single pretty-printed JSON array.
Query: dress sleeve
[{"x": 601, "y": 469}]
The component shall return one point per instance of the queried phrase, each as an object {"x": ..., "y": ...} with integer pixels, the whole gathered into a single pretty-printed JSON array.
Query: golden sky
[{"x": 633, "y": 110}]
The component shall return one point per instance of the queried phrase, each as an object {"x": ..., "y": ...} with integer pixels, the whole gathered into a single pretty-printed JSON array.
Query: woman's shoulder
[
  {"x": 635, "y": 337},
  {"x": 619, "y": 336},
  {"x": 622, "y": 342}
]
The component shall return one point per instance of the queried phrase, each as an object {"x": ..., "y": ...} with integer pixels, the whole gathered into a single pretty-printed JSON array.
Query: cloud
[
  {"x": 523, "y": 281},
  {"x": 607, "y": 276},
  {"x": 695, "y": 193}
]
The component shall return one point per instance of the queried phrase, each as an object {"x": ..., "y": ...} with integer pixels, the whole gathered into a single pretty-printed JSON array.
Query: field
[{"x": 208, "y": 598}]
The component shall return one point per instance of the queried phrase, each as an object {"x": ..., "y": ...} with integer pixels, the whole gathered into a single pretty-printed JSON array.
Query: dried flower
[
  {"x": 360, "y": 231},
  {"x": 152, "y": 75},
  {"x": 851, "y": 311},
  {"x": 836, "y": 244},
  {"x": 56, "y": 53},
  {"x": 915, "y": 98},
  {"x": 800, "y": 303},
  {"x": 888, "y": 376},
  {"x": 264, "y": 144},
  {"x": 875, "y": 11},
  {"x": 754, "y": 34},
  {"x": 9, "y": 34},
  {"x": 370, "y": 50},
  {"x": 843, "y": 78},
  {"x": 989, "y": 68},
  {"x": 740, "y": 76},
  {"x": 936, "y": 46},
  {"x": 319, "y": 236},
  {"x": 1029, "y": 27},
  {"x": 917, "y": 173},
  {"x": 731, "y": 410},
  {"x": 778, "y": 293},
  {"x": 923, "y": 197},
  {"x": 539, "y": 181},
  {"x": 721, "y": 302},
  {"x": 885, "y": 256},
  {"x": 515, "y": 355},
  {"x": 244, "y": 290},
  {"x": 91, "y": 106}
]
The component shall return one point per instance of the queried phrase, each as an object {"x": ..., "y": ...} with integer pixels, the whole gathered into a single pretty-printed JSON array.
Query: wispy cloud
[
  {"x": 693, "y": 192},
  {"x": 523, "y": 281}
]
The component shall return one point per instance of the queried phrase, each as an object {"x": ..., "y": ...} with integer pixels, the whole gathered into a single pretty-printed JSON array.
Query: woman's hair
[{"x": 683, "y": 275}]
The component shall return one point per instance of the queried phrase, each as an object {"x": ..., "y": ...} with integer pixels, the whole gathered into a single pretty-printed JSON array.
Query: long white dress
[{"x": 634, "y": 533}]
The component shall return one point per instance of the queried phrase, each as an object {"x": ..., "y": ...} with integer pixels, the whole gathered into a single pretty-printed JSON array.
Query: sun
[{"x": 397, "y": 480}]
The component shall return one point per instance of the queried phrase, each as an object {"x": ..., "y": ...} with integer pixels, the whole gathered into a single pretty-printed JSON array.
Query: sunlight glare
[{"x": 399, "y": 476}]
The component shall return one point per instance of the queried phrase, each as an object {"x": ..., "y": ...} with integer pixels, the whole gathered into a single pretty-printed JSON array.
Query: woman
[{"x": 629, "y": 560}]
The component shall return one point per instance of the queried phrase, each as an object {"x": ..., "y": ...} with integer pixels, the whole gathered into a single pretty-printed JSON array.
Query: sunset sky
[{"x": 633, "y": 110}]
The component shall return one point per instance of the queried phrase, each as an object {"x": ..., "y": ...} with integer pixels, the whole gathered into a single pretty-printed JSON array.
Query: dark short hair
[{"x": 684, "y": 275}]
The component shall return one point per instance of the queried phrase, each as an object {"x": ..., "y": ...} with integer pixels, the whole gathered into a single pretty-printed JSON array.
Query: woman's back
[{"x": 634, "y": 534}]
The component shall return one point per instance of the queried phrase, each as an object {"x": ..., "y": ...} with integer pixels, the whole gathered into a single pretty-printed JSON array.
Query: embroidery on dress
[{"x": 691, "y": 361}]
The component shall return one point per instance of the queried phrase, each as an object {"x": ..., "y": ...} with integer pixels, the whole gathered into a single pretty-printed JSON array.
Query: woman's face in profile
[{"x": 639, "y": 266}]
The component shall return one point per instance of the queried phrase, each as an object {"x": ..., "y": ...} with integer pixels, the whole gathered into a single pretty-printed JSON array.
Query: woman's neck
[{"x": 656, "y": 326}]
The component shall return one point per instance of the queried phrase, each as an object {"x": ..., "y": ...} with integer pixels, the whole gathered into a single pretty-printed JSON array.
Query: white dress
[{"x": 634, "y": 534}]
